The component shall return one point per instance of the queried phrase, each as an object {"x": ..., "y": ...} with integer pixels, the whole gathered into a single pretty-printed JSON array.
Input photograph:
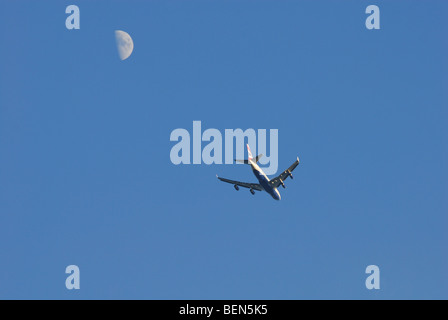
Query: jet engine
[{"x": 282, "y": 183}]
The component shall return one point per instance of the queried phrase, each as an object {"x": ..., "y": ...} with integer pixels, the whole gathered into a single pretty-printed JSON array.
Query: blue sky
[{"x": 86, "y": 177}]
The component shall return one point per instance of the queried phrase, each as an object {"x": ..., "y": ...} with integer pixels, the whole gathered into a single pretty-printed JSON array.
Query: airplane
[{"x": 270, "y": 186}]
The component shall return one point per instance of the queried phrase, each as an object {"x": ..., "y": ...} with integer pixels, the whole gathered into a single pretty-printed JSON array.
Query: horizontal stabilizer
[
  {"x": 250, "y": 157},
  {"x": 247, "y": 161}
]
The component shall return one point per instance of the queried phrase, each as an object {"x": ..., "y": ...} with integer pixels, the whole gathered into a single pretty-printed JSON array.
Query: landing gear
[
  {"x": 252, "y": 191},
  {"x": 236, "y": 187}
]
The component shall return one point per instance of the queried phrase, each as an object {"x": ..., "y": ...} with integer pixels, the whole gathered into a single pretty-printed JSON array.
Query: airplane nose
[{"x": 278, "y": 196}]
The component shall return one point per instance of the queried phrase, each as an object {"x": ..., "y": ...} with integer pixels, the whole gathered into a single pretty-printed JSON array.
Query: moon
[{"x": 125, "y": 45}]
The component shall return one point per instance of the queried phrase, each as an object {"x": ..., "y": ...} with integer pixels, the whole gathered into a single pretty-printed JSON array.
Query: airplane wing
[
  {"x": 285, "y": 174},
  {"x": 254, "y": 186}
]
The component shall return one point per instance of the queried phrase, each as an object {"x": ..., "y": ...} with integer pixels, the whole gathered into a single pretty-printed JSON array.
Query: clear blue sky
[{"x": 86, "y": 177}]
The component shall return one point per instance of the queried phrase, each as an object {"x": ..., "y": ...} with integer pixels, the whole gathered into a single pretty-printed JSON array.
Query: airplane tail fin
[
  {"x": 248, "y": 151},
  {"x": 250, "y": 157}
]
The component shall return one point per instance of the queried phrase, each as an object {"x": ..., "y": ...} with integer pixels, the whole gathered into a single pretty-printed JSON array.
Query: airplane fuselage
[{"x": 264, "y": 181}]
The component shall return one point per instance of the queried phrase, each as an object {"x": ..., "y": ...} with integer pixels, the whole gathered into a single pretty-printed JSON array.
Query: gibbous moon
[{"x": 125, "y": 45}]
